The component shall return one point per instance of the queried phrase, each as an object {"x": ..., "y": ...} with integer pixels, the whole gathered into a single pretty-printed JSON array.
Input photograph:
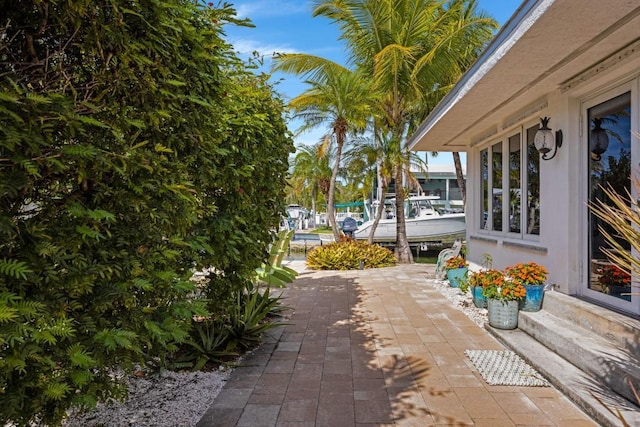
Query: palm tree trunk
[
  {"x": 403, "y": 251},
  {"x": 376, "y": 220},
  {"x": 312, "y": 220},
  {"x": 460, "y": 178},
  {"x": 331, "y": 213}
]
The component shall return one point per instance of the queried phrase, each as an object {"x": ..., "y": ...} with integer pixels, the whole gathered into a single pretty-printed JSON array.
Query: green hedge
[{"x": 134, "y": 147}]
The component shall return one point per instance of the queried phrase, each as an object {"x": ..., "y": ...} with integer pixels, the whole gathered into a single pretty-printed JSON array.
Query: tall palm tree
[
  {"x": 410, "y": 49},
  {"x": 311, "y": 173},
  {"x": 382, "y": 153},
  {"x": 337, "y": 98}
]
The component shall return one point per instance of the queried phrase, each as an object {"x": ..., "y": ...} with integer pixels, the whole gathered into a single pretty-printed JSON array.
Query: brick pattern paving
[{"x": 377, "y": 348}]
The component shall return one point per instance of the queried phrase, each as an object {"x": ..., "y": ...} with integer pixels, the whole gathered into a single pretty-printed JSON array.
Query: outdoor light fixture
[
  {"x": 598, "y": 140},
  {"x": 545, "y": 140}
]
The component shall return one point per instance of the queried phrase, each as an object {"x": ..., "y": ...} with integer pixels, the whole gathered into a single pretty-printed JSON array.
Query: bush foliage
[
  {"x": 134, "y": 147},
  {"x": 348, "y": 254}
]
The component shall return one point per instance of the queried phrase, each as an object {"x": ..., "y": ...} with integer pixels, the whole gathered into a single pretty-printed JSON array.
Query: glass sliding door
[{"x": 609, "y": 159}]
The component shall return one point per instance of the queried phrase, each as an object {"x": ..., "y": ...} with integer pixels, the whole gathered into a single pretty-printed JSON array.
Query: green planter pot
[
  {"x": 479, "y": 300},
  {"x": 503, "y": 314},
  {"x": 456, "y": 275},
  {"x": 533, "y": 300}
]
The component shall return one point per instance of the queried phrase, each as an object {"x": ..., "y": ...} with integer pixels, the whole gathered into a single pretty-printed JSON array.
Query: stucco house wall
[{"x": 552, "y": 59}]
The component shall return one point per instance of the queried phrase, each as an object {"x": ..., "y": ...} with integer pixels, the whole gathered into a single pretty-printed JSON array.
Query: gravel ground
[
  {"x": 462, "y": 302},
  {"x": 173, "y": 399},
  {"x": 167, "y": 399}
]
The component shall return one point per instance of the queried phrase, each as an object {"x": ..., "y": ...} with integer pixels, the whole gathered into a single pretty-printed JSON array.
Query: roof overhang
[{"x": 545, "y": 47}]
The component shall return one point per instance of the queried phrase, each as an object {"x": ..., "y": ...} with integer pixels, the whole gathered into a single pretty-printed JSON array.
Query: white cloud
[
  {"x": 247, "y": 47},
  {"x": 262, "y": 8}
]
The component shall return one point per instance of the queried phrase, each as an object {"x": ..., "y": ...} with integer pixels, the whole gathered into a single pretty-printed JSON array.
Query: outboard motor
[{"x": 349, "y": 225}]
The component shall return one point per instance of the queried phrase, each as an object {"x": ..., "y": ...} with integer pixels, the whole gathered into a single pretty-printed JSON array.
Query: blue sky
[{"x": 286, "y": 26}]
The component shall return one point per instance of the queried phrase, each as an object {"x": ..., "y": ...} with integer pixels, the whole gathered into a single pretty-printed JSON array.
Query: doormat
[{"x": 505, "y": 368}]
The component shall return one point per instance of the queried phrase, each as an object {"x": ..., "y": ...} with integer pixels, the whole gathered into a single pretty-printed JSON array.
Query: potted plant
[
  {"x": 503, "y": 298},
  {"x": 478, "y": 280},
  {"x": 614, "y": 281},
  {"x": 457, "y": 268},
  {"x": 532, "y": 277}
]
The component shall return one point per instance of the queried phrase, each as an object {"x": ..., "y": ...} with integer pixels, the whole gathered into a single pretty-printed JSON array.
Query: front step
[
  {"x": 585, "y": 351},
  {"x": 622, "y": 330}
]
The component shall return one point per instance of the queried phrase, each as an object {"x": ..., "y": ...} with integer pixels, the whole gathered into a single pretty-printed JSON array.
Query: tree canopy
[{"x": 134, "y": 148}]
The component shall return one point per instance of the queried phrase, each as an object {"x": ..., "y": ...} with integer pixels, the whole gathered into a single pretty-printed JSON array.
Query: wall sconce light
[
  {"x": 545, "y": 141},
  {"x": 598, "y": 140}
]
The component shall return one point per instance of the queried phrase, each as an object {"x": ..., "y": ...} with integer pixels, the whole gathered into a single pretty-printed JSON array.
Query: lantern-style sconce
[
  {"x": 545, "y": 140},
  {"x": 598, "y": 140}
]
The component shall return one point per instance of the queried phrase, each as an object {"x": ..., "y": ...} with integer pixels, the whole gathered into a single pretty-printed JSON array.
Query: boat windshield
[{"x": 420, "y": 208}]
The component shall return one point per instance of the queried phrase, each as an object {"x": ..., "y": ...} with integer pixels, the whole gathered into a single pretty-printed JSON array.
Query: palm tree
[
  {"x": 382, "y": 153},
  {"x": 337, "y": 98},
  {"x": 311, "y": 172},
  {"x": 411, "y": 51}
]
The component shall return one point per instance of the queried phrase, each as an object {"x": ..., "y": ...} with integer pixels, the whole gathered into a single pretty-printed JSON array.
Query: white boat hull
[{"x": 436, "y": 229}]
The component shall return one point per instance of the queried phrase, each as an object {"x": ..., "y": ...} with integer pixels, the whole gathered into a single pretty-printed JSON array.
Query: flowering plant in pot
[
  {"x": 532, "y": 277},
  {"x": 456, "y": 262},
  {"x": 457, "y": 268},
  {"x": 496, "y": 286},
  {"x": 614, "y": 280},
  {"x": 527, "y": 273},
  {"x": 478, "y": 280},
  {"x": 502, "y": 299}
]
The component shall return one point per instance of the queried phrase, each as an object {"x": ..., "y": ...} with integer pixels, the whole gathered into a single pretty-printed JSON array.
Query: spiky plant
[{"x": 623, "y": 216}]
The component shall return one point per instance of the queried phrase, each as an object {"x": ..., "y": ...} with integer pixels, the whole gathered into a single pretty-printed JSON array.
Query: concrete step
[
  {"x": 617, "y": 328},
  {"x": 587, "y": 392},
  {"x": 588, "y": 352}
]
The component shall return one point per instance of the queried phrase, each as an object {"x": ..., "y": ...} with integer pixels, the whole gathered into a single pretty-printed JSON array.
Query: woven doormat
[{"x": 505, "y": 368}]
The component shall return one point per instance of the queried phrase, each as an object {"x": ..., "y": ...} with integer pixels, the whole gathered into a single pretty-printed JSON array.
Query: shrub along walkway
[{"x": 377, "y": 347}]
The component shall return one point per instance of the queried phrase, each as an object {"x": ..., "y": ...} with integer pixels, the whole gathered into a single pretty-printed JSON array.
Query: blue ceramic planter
[
  {"x": 479, "y": 300},
  {"x": 533, "y": 300},
  {"x": 456, "y": 275}
]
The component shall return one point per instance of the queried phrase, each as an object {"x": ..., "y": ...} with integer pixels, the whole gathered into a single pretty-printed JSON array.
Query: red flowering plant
[
  {"x": 527, "y": 273},
  {"x": 456, "y": 262},
  {"x": 612, "y": 275}
]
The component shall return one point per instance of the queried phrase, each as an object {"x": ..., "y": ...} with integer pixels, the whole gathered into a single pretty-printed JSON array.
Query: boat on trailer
[{"x": 425, "y": 225}]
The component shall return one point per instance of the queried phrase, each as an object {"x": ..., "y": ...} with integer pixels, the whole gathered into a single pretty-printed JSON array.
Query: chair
[{"x": 444, "y": 255}]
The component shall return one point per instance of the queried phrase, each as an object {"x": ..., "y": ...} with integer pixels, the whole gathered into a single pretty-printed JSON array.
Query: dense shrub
[
  {"x": 134, "y": 146},
  {"x": 349, "y": 254}
]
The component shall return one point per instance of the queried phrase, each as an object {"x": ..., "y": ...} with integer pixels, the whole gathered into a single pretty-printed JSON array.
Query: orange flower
[{"x": 528, "y": 273}]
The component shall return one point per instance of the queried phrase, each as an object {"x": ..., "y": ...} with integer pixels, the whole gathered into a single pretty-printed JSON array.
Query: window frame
[{"x": 486, "y": 226}]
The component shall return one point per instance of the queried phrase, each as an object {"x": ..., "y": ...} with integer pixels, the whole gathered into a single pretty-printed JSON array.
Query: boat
[
  {"x": 297, "y": 217},
  {"x": 425, "y": 225}
]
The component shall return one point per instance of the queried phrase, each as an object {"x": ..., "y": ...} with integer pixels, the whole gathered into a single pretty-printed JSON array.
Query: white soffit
[{"x": 544, "y": 45}]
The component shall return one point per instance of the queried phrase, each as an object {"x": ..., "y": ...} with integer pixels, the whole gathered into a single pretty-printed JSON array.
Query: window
[
  {"x": 532, "y": 214},
  {"x": 484, "y": 179},
  {"x": 610, "y": 168},
  {"x": 496, "y": 180},
  {"x": 515, "y": 184},
  {"x": 504, "y": 182}
]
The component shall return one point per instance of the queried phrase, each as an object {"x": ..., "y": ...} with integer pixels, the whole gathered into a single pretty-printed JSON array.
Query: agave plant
[
  {"x": 209, "y": 342},
  {"x": 250, "y": 317}
]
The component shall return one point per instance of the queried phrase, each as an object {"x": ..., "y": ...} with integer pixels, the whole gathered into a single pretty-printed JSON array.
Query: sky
[{"x": 287, "y": 26}]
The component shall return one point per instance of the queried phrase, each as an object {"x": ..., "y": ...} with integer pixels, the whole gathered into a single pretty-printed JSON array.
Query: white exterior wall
[{"x": 561, "y": 246}]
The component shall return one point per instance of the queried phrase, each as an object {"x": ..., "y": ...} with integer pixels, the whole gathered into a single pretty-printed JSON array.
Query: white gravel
[
  {"x": 167, "y": 399},
  {"x": 462, "y": 301},
  {"x": 172, "y": 399}
]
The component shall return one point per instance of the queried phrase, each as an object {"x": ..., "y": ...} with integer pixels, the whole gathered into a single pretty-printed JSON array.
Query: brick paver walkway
[{"x": 374, "y": 348}]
